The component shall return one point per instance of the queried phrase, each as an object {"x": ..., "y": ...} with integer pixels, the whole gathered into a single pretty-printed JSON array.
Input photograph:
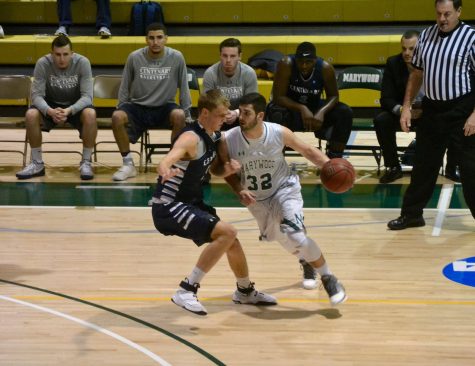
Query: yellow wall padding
[
  {"x": 235, "y": 11},
  {"x": 204, "y": 51}
]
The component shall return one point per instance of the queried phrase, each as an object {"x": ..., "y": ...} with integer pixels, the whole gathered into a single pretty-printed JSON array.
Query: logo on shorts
[{"x": 461, "y": 271}]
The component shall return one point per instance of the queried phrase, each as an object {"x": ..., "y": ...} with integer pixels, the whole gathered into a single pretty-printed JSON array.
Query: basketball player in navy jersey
[
  {"x": 178, "y": 207},
  {"x": 296, "y": 102}
]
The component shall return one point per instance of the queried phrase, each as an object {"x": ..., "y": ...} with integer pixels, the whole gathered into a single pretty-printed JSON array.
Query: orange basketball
[{"x": 337, "y": 175}]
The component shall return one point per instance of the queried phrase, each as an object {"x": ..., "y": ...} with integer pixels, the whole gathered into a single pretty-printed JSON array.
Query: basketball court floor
[{"x": 85, "y": 279}]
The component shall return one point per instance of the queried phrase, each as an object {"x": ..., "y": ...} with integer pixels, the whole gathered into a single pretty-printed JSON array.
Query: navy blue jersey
[
  {"x": 187, "y": 186},
  {"x": 306, "y": 91}
]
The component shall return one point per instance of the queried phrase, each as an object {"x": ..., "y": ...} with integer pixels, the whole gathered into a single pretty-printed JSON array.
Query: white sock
[
  {"x": 243, "y": 282},
  {"x": 86, "y": 153},
  {"x": 36, "y": 154},
  {"x": 323, "y": 270},
  {"x": 196, "y": 276},
  {"x": 128, "y": 159}
]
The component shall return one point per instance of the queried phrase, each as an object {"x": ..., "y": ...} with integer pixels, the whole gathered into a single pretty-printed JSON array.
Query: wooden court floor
[{"x": 92, "y": 286}]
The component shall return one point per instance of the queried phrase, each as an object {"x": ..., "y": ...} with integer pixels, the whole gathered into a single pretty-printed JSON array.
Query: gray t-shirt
[
  {"x": 244, "y": 81},
  {"x": 70, "y": 87},
  {"x": 154, "y": 82}
]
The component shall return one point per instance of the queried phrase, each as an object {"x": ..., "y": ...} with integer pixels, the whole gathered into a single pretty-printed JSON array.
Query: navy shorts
[
  {"x": 143, "y": 118},
  {"x": 195, "y": 222},
  {"x": 48, "y": 124}
]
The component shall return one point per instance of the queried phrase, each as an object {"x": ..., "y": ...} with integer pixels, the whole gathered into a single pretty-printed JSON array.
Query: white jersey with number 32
[{"x": 264, "y": 169}]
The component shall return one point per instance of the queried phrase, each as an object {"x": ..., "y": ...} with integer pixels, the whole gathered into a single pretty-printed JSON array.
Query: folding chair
[
  {"x": 15, "y": 89},
  {"x": 105, "y": 91},
  {"x": 152, "y": 149}
]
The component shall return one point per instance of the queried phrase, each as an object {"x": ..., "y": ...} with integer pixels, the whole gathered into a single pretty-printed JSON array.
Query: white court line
[
  {"x": 442, "y": 206},
  {"x": 112, "y": 187},
  {"x": 87, "y": 324}
]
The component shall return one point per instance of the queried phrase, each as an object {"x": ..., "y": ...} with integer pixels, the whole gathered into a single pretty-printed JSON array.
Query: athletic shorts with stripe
[
  {"x": 282, "y": 213},
  {"x": 190, "y": 221}
]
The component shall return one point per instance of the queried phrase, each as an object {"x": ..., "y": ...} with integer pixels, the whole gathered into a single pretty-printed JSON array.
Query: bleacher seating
[{"x": 341, "y": 47}]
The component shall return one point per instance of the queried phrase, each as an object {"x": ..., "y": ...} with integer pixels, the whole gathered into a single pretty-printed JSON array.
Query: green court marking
[
  {"x": 219, "y": 195},
  {"x": 124, "y": 315}
]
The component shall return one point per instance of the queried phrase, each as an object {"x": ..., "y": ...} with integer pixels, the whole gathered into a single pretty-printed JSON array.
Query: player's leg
[
  {"x": 338, "y": 121},
  {"x": 294, "y": 239},
  {"x": 386, "y": 125},
  {"x": 177, "y": 121},
  {"x": 122, "y": 129},
  {"x": 88, "y": 135},
  {"x": 36, "y": 167},
  {"x": 245, "y": 292}
]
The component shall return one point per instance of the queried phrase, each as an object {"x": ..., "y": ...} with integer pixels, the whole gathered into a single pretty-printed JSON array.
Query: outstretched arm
[{"x": 307, "y": 151}]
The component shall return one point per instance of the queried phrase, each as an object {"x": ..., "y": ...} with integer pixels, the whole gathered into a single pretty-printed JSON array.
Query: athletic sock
[
  {"x": 86, "y": 153},
  {"x": 36, "y": 154},
  {"x": 323, "y": 270},
  {"x": 243, "y": 282},
  {"x": 196, "y": 276}
]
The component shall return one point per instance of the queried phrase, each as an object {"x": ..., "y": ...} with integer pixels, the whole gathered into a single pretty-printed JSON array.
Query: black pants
[
  {"x": 336, "y": 125},
  {"x": 441, "y": 124},
  {"x": 386, "y": 125}
]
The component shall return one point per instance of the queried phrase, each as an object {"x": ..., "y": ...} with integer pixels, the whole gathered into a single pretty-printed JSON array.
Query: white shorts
[{"x": 281, "y": 213}]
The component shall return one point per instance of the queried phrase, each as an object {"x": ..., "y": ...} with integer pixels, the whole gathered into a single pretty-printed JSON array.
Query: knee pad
[{"x": 300, "y": 245}]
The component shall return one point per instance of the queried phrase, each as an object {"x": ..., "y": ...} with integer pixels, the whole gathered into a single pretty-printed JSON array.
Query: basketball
[{"x": 337, "y": 175}]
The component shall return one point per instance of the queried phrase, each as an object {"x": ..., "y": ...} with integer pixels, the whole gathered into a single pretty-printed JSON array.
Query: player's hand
[
  {"x": 231, "y": 167},
  {"x": 231, "y": 117},
  {"x": 469, "y": 127},
  {"x": 405, "y": 119},
  {"x": 167, "y": 173},
  {"x": 247, "y": 197}
]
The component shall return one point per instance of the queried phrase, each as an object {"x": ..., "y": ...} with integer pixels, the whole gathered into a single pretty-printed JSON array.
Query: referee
[{"x": 444, "y": 60}]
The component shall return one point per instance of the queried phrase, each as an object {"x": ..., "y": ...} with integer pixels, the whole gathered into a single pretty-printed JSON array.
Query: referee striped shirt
[{"x": 447, "y": 61}]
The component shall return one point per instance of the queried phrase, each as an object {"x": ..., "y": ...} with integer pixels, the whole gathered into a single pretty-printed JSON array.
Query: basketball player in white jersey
[{"x": 269, "y": 189}]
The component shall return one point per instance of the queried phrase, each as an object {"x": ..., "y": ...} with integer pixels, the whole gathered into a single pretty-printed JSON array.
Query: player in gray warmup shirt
[
  {"x": 233, "y": 77},
  {"x": 61, "y": 93},
  {"x": 152, "y": 75}
]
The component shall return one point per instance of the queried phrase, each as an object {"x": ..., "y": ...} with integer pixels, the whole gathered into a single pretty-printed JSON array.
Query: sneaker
[
  {"x": 309, "y": 281},
  {"x": 185, "y": 297},
  {"x": 1, "y": 32},
  {"x": 251, "y": 296},
  {"x": 104, "y": 32},
  {"x": 34, "y": 169},
  {"x": 125, "y": 171},
  {"x": 61, "y": 31},
  {"x": 86, "y": 170},
  {"x": 391, "y": 174},
  {"x": 334, "y": 289}
]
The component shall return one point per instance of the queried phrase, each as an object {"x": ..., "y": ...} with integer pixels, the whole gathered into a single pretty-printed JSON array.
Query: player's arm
[
  {"x": 331, "y": 91},
  {"x": 223, "y": 165},
  {"x": 413, "y": 85},
  {"x": 307, "y": 151},
  {"x": 85, "y": 89},
  {"x": 126, "y": 81},
  {"x": 184, "y": 148},
  {"x": 246, "y": 197}
]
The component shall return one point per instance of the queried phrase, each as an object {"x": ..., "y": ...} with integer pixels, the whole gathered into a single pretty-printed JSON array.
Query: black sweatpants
[{"x": 441, "y": 124}]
